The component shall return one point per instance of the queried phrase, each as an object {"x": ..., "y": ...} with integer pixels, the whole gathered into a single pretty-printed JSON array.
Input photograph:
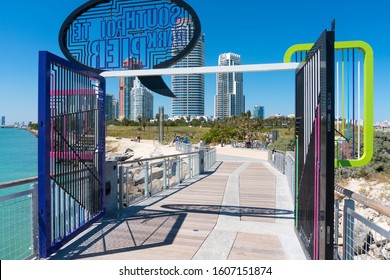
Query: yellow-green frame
[{"x": 368, "y": 80}]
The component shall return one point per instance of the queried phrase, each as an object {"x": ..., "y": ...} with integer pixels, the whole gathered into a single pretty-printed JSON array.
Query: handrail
[
  {"x": 380, "y": 208},
  {"x": 155, "y": 158},
  {"x": 18, "y": 183}
]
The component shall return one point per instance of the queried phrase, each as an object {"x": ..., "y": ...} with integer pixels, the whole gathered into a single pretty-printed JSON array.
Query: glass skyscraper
[
  {"x": 188, "y": 89},
  {"x": 230, "y": 99},
  {"x": 258, "y": 112},
  {"x": 108, "y": 105}
]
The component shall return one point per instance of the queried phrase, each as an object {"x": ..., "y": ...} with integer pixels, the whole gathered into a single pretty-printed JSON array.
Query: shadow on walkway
[
  {"x": 235, "y": 211},
  {"x": 146, "y": 229},
  {"x": 140, "y": 229}
]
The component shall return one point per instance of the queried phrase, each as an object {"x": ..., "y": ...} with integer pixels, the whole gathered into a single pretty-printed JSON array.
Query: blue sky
[{"x": 260, "y": 31}]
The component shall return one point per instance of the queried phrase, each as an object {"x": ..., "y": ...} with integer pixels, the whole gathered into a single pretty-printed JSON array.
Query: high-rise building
[
  {"x": 230, "y": 99},
  {"x": 2, "y": 120},
  {"x": 141, "y": 101},
  {"x": 115, "y": 108},
  {"x": 258, "y": 112},
  {"x": 108, "y": 105},
  {"x": 125, "y": 86},
  {"x": 188, "y": 89}
]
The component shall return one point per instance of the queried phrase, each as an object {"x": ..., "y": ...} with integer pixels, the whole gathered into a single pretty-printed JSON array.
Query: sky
[{"x": 260, "y": 31}]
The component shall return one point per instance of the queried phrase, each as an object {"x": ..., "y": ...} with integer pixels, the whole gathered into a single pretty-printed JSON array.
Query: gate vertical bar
[
  {"x": 315, "y": 149},
  {"x": 327, "y": 151},
  {"x": 44, "y": 190}
]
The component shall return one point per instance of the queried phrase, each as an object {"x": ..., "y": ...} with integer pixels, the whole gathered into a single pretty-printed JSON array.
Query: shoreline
[{"x": 33, "y": 132}]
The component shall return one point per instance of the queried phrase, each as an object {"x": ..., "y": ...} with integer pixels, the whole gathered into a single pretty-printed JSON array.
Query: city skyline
[{"x": 261, "y": 32}]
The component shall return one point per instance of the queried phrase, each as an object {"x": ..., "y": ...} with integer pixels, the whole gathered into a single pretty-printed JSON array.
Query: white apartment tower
[
  {"x": 188, "y": 89},
  {"x": 230, "y": 99},
  {"x": 141, "y": 101}
]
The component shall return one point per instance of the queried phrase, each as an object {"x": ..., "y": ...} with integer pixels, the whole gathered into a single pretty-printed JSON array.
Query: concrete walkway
[{"x": 241, "y": 210}]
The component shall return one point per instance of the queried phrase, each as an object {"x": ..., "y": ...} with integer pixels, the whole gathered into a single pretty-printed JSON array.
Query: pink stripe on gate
[
  {"x": 317, "y": 162},
  {"x": 65, "y": 92},
  {"x": 72, "y": 156}
]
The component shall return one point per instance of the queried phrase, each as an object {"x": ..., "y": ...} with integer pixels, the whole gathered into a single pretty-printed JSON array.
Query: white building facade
[
  {"x": 188, "y": 89},
  {"x": 230, "y": 99},
  {"x": 141, "y": 102}
]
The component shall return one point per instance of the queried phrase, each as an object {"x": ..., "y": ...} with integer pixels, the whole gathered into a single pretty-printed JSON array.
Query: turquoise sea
[
  {"x": 18, "y": 160},
  {"x": 18, "y": 154}
]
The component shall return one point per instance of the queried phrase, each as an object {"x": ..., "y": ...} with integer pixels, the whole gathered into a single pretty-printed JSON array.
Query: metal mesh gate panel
[{"x": 71, "y": 150}]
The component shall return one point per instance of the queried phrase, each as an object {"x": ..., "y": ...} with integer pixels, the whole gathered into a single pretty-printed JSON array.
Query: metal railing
[
  {"x": 19, "y": 220},
  {"x": 138, "y": 179},
  {"x": 361, "y": 239},
  {"x": 143, "y": 178},
  {"x": 284, "y": 162},
  {"x": 289, "y": 171},
  {"x": 277, "y": 159},
  {"x": 356, "y": 237}
]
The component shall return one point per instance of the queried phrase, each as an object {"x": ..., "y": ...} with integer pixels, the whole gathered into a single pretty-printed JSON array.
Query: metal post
[
  {"x": 127, "y": 188},
  {"x": 151, "y": 179},
  {"x": 336, "y": 231},
  {"x": 169, "y": 170},
  {"x": 165, "y": 175},
  {"x": 201, "y": 161},
  {"x": 35, "y": 218},
  {"x": 146, "y": 180},
  {"x": 189, "y": 166},
  {"x": 120, "y": 187},
  {"x": 178, "y": 171},
  {"x": 196, "y": 164},
  {"x": 161, "y": 124},
  {"x": 348, "y": 234}
]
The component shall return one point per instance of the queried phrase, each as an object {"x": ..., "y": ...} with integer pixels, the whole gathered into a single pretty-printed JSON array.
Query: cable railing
[
  {"x": 18, "y": 220},
  {"x": 357, "y": 237},
  {"x": 142, "y": 178}
]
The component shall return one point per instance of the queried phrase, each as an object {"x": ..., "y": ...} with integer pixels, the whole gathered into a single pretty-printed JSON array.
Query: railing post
[
  {"x": 197, "y": 163},
  {"x": 201, "y": 161},
  {"x": 151, "y": 179},
  {"x": 336, "y": 230},
  {"x": 120, "y": 187},
  {"x": 165, "y": 175},
  {"x": 35, "y": 218},
  {"x": 348, "y": 230},
  {"x": 189, "y": 166},
  {"x": 178, "y": 171},
  {"x": 169, "y": 172},
  {"x": 127, "y": 188},
  {"x": 146, "y": 180}
]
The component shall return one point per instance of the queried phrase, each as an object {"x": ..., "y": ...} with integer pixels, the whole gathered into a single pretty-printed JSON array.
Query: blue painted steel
[
  {"x": 44, "y": 209},
  {"x": 71, "y": 148}
]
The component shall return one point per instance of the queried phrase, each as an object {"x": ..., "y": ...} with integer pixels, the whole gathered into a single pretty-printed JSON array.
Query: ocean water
[
  {"x": 18, "y": 154},
  {"x": 18, "y": 160}
]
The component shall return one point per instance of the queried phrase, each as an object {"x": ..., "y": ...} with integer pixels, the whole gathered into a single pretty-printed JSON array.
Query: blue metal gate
[{"x": 71, "y": 147}]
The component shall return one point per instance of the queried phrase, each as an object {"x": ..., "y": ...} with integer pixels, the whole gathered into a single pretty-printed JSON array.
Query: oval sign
[{"x": 104, "y": 34}]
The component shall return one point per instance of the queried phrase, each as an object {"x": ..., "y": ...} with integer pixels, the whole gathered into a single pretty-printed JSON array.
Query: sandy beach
[
  {"x": 150, "y": 148},
  {"x": 144, "y": 149}
]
